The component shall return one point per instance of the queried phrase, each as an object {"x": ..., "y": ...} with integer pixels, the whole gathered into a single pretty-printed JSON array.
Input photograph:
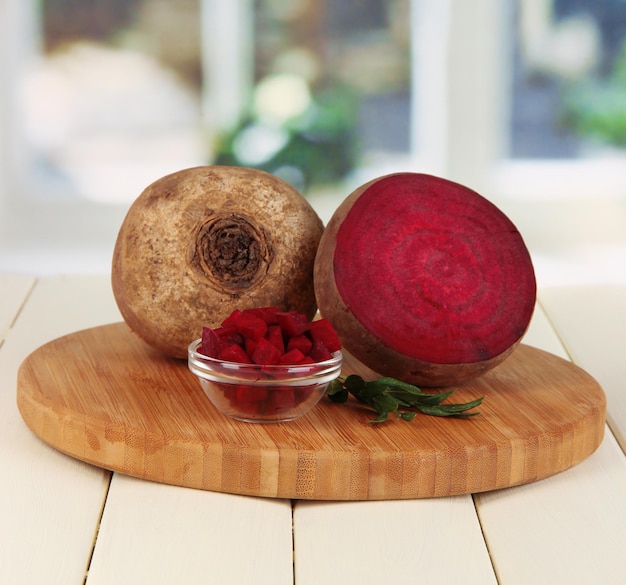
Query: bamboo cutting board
[{"x": 103, "y": 396}]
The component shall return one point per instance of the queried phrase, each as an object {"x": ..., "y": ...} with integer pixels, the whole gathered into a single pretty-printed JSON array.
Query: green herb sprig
[{"x": 388, "y": 395}]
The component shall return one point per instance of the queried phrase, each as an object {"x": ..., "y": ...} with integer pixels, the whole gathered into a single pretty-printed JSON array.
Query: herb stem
[{"x": 387, "y": 395}]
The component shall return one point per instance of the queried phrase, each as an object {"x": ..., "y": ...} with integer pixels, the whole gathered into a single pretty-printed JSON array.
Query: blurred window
[
  {"x": 111, "y": 98},
  {"x": 332, "y": 89},
  {"x": 107, "y": 95},
  {"x": 566, "y": 130},
  {"x": 569, "y": 79}
]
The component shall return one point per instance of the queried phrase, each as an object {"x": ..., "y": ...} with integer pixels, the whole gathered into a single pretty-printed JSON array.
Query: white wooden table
[{"x": 63, "y": 521}]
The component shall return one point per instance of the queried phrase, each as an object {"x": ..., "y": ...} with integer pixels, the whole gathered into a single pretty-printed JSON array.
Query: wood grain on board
[{"x": 103, "y": 396}]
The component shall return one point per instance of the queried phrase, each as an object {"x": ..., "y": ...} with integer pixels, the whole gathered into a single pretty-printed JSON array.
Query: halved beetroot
[{"x": 424, "y": 279}]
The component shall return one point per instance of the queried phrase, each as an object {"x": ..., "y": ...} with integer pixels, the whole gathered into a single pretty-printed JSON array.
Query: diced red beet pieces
[
  {"x": 267, "y": 314},
  {"x": 251, "y": 401},
  {"x": 267, "y": 336},
  {"x": 280, "y": 399},
  {"x": 265, "y": 353},
  {"x": 210, "y": 345},
  {"x": 293, "y": 323},
  {"x": 250, "y": 326},
  {"x": 319, "y": 352},
  {"x": 229, "y": 336},
  {"x": 293, "y": 356},
  {"x": 234, "y": 353},
  {"x": 275, "y": 337},
  {"x": 231, "y": 319},
  {"x": 301, "y": 342},
  {"x": 323, "y": 331},
  {"x": 251, "y": 394},
  {"x": 249, "y": 345}
]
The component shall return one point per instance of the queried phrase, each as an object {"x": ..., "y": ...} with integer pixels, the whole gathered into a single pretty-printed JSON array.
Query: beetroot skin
[
  {"x": 198, "y": 243},
  {"x": 424, "y": 279}
]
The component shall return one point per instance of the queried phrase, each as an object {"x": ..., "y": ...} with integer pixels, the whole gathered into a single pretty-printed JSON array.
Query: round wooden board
[{"x": 103, "y": 396}]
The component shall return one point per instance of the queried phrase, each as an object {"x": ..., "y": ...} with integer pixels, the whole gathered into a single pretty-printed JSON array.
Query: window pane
[
  {"x": 331, "y": 89},
  {"x": 114, "y": 96},
  {"x": 569, "y": 90},
  {"x": 113, "y": 99}
]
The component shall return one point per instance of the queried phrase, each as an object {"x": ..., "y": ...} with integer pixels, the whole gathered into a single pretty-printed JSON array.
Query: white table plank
[
  {"x": 50, "y": 504},
  {"x": 591, "y": 321},
  {"x": 401, "y": 542},
  {"x": 159, "y": 534},
  {"x": 434, "y": 541},
  {"x": 568, "y": 528},
  {"x": 241, "y": 539},
  {"x": 565, "y": 529},
  {"x": 14, "y": 290}
]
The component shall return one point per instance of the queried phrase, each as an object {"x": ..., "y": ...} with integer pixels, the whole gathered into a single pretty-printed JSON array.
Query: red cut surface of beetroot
[{"x": 415, "y": 271}]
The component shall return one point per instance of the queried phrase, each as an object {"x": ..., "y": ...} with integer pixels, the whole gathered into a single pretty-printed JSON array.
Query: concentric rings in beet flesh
[{"x": 432, "y": 270}]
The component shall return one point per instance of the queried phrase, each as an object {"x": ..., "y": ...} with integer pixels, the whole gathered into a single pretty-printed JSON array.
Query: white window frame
[
  {"x": 460, "y": 120},
  {"x": 38, "y": 235},
  {"x": 459, "y": 112}
]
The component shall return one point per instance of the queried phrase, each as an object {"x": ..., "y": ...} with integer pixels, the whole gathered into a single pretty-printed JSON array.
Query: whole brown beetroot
[{"x": 201, "y": 242}]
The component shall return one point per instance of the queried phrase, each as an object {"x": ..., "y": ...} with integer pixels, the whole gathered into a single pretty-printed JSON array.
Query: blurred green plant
[
  {"x": 306, "y": 140},
  {"x": 596, "y": 108}
]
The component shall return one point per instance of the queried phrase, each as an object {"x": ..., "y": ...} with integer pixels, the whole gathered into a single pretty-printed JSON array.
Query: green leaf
[
  {"x": 382, "y": 417},
  {"x": 386, "y": 395},
  {"x": 393, "y": 383},
  {"x": 384, "y": 403},
  {"x": 462, "y": 407},
  {"x": 432, "y": 398},
  {"x": 372, "y": 390},
  {"x": 339, "y": 397},
  {"x": 456, "y": 410},
  {"x": 335, "y": 387},
  {"x": 354, "y": 383},
  {"x": 336, "y": 391}
]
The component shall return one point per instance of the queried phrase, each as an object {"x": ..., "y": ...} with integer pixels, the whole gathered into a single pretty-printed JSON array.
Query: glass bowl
[{"x": 263, "y": 394}]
